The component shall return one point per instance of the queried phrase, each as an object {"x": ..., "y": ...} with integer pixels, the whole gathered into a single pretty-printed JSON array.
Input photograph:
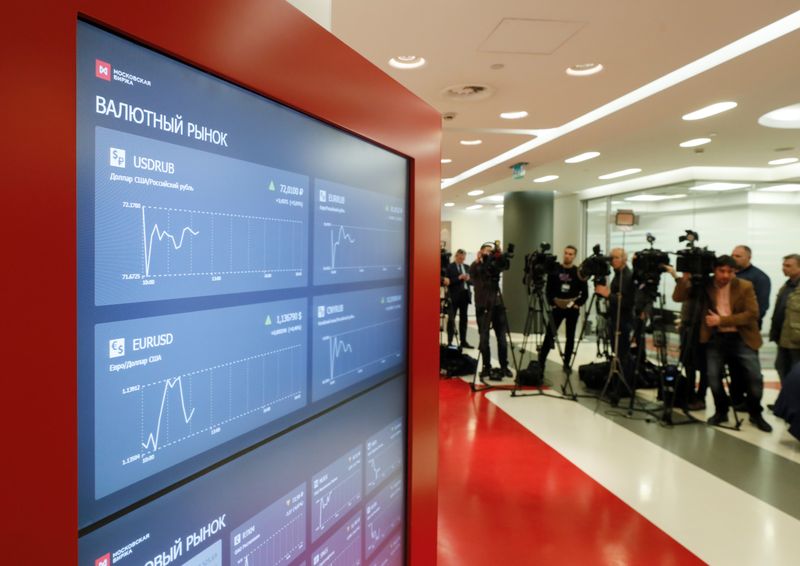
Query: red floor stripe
[{"x": 508, "y": 499}]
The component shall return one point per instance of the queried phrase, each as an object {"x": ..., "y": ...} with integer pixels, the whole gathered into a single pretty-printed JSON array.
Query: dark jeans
[
  {"x": 728, "y": 348},
  {"x": 571, "y": 316},
  {"x": 497, "y": 317},
  {"x": 786, "y": 359},
  {"x": 459, "y": 307}
]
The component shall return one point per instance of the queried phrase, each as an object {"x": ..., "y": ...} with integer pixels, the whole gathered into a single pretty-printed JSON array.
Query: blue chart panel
[
  {"x": 384, "y": 454},
  {"x": 168, "y": 388},
  {"x": 383, "y": 514},
  {"x": 343, "y": 548},
  {"x": 356, "y": 336},
  {"x": 277, "y": 535},
  {"x": 358, "y": 235},
  {"x": 335, "y": 490},
  {"x": 174, "y": 222},
  {"x": 391, "y": 554}
]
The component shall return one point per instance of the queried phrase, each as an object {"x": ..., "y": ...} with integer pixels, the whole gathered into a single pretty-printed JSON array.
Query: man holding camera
[
  {"x": 485, "y": 276},
  {"x": 730, "y": 330},
  {"x": 566, "y": 292},
  {"x": 460, "y": 298}
]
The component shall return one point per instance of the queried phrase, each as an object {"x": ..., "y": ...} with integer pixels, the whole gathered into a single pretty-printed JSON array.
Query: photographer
[
  {"x": 730, "y": 331},
  {"x": 620, "y": 297},
  {"x": 566, "y": 292},
  {"x": 485, "y": 275},
  {"x": 460, "y": 298}
]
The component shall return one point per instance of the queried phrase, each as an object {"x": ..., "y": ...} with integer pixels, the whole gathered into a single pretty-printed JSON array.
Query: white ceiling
[{"x": 637, "y": 41}]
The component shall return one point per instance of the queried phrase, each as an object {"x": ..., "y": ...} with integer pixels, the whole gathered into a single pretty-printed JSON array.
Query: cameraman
[
  {"x": 489, "y": 308},
  {"x": 460, "y": 298},
  {"x": 620, "y": 297},
  {"x": 566, "y": 292},
  {"x": 730, "y": 331}
]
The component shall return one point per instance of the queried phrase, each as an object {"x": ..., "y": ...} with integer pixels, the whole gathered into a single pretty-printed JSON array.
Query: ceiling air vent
[{"x": 468, "y": 92}]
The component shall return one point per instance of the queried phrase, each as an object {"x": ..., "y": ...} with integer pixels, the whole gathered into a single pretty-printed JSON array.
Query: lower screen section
[{"x": 311, "y": 496}]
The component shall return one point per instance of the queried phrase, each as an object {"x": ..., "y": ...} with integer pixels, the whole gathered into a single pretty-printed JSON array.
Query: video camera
[
  {"x": 496, "y": 261},
  {"x": 699, "y": 262},
  {"x": 444, "y": 259},
  {"x": 596, "y": 265},
  {"x": 539, "y": 264},
  {"x": 648, "y": 264}
]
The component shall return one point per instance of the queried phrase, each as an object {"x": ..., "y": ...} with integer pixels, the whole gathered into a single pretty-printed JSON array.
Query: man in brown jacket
[{"x": 730, "y": 331}]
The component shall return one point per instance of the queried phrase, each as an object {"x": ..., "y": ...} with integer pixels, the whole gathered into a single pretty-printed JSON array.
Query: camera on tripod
[
  {"x": 699, "y": 262},
  {"x": 496, "y": 261},
  {"x": 649, "y": 264},
  {"x": 539, "y": 264},
  {"x": 596, "y": 265},
  {"x": 444, "y": 261}
]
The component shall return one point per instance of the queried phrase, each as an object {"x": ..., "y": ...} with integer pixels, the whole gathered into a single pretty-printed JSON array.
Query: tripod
[
  {"x": 539, "y": 317},
  {"x": 444, "y": 312},
  {"x": 602, "y": 341},
  {"x": 486, "y": 325}
]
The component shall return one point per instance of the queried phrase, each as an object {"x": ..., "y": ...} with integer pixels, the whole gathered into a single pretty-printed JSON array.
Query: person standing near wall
[{"x": 785, "y": 329}]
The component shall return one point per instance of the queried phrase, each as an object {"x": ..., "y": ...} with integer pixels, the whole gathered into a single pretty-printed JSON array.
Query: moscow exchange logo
[
  {"x": 102, "y": 70},
  {"x": 116, "y": 157},
  {"x": 103, "y": 560},
  {"x": 116, "y": 347}
]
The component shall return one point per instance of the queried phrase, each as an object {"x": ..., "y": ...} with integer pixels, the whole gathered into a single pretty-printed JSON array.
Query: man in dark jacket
[
  {"x": 489, "y": 310},
  {"x": 460, "y": 298},
  {"x": 566, "y": 292},
  {"x": 730, "y": 330},
  {"x": 785, "y": 329}
]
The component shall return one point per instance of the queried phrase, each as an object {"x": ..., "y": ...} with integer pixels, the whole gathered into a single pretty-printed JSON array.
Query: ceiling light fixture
[
  {"x": 449, "y": 204},
  {"x": 710, "y": 110},
  {"x": 749, "y": 42},
  {"x": 513, "y": 115},
  {"x": 584, "y": 69},
  {"x": 786, "y": 117},
  {"x": 652, "y": 198},
  {"x": 617, "y": 174},
  {"x": 474, "y": 206},
  {"x": 787, "y": 188},
  {"x": 784, "y": 161},
  {"x": 471, "y": 142},
  {"x": 582, "y": 157},
  {"x": 446, "y": 161},
  {"x": 695, "y": 142},
  {"x": 475, "y": 193},
  {"x": 719, "y": 186},
  {"x": 545, "y": 179},
  {"x": 499, "y": 206},
  {"x": 406, "y": 62}
]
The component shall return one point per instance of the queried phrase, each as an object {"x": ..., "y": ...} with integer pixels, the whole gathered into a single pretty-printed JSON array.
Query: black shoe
[
  {"x": 467, "y": 345},
  {"x": 718, "y": 418},
  {"x": 486, "y": 372},
  {"x": 507, "y": 372},
  {"x": 760, "y": 423}
]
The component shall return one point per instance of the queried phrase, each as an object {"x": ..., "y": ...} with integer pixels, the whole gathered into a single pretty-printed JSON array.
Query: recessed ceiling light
[
  {"x": 447, "y": 160},
  {"x": 492, "y": 198},
  {"x": 499, "y": 206},
  {"x": 471, "y": 142},
  {"x": 407, "y": 62},
  {"x": 718, "y": 186},
  {"x": 513, "y": 115},
  {"x": 623, "y": 173},
  {"x": 582, "y": 157},
  {"x": 788, "y": 188},
  {"x": 652, "y": 198},
  {"x": 711, "y": 110},
  {"x": 449, "y": 204},
  {"x": 584, "y": 69},
  {"x": 695, "y": 142},
  {"x": 545, "y": 178},
  {"x": 786, "y": 117},
  {"x": 475, "y": 193},
  {"x": 474, "y": 206},
  {"x": 784, "y": 161}
]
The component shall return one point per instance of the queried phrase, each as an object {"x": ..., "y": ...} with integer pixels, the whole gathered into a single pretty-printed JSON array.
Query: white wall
[
  {"x": 567, "y": 213},
  {"x": 471, "y": 228}
]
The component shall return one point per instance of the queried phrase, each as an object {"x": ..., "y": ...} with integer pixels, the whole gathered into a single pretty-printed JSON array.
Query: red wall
[{"x": 265, "y": 45}]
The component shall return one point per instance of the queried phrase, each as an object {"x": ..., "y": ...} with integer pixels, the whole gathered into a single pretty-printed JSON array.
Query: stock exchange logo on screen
[
  {"x": 103, "y": 560},
  {"x": 102, "y": 70}
]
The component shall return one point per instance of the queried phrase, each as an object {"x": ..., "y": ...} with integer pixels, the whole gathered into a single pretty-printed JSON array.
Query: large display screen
[{"x": 242, "y": 322}]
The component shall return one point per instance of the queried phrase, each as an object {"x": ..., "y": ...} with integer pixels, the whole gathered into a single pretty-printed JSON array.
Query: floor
[{"x": 533, "y": 478}]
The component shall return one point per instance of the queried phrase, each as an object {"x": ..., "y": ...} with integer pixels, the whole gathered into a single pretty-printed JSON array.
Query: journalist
[
  {"x": 489, "y": 310},
  {"x": 566, "y": 292},
  {"x": 785, "y": 329},
  {"x": 460, "y": 299},
  {"x": 729, "y": 329}
]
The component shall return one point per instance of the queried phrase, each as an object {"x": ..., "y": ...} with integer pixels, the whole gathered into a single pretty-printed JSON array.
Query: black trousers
[
  {"x": 571, "y": 316},
  {"x": 457, "y": 307},
  {"x": 496, "y": 316}
]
